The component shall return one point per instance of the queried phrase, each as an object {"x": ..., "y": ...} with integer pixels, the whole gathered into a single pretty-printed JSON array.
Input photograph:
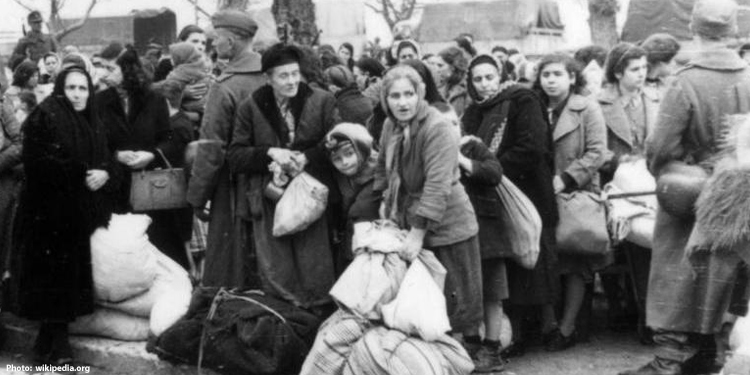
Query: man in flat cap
[
  {"x": 279, "y": 133},
  {"x": 34, "y": 44},
  {"x": 229, "y": 260},
  {"x": 686, "y": 301}
]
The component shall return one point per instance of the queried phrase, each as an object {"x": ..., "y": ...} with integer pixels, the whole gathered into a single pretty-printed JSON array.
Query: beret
[
  {"x": 280, "y": 54},
  {"x": 234, "y": 19}
]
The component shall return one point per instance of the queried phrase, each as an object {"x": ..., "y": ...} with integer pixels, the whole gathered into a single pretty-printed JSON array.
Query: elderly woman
[
  {"x": 510, "y": 120},
  {"x": 283, "y": 124},
  {"x": 579, "y": 134},
  {"x": 69, "y": 191},
  {"x": 418, "y": 172},
  {"x": 450, "y": 73}
]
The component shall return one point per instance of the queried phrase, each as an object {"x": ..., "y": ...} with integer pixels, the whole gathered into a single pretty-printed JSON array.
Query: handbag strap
[
  {"x": 497, "y": 138},
  {"x": 169, "y": 165}
]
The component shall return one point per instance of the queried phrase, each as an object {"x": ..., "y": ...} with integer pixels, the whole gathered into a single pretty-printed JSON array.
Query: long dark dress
[
  {"x": 58, "y": 213},
  {"x": 525, "y": 154}
]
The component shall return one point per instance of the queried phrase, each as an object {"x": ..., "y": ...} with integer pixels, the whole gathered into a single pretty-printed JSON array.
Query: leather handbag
[
  {"x": 582, "y": 229},
  {"x": 160, "y": 189}
]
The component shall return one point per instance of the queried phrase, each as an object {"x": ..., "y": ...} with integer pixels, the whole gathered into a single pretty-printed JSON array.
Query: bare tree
[
  {"x": 56, "y": 27},
  {"x": 295, "y": 20},
  {"x": 198, "y": 8},
  {"x": 602, "y": 22},
  {"x": 391, "y": 12}
]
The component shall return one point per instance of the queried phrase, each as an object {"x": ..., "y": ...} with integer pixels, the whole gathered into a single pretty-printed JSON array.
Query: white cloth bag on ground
[
  {"x": 122, "y": 258},
  {"x": 385, "y": 352},
  {"x": 165, "y": 302},
  {"x": 111, "y": 324},
  {"x": 303, "y": 202},
  {"x": 419, "y": 308}
]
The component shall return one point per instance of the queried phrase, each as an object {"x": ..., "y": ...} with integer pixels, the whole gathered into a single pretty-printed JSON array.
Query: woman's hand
[
  {"x": 413, "y": 244},
  {"x": 141, "y": 160},
  {"x": 125, "y": 157},
  {"x": 96, "y": 178},
  {"x": 195, "y": 91},
  {"x": 558, "y": 184},
  {"x": 283, "y": 157}
]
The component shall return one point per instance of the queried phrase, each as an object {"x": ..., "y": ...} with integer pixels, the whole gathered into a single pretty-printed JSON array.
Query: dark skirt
[
  {"x": 463, "y": 283},
  {"x": 170, "y": 230},
  {"x": 541, "y": 285}
]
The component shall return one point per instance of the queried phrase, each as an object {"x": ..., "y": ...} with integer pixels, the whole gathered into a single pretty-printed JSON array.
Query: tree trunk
[
  {"x": 602, "y": 22},
  {"x": 233, "y": 4},
  {"x": 295, "y": 20}
]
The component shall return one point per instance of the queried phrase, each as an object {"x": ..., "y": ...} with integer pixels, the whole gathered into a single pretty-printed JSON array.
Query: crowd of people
[{"x": 421, "y": 139}]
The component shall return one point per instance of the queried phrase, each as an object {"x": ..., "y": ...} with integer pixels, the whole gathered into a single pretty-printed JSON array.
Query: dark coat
[
  {"x": 58, "y": 213},
  {"x": 481, "y": 186},
  {"x": 353, "y": 106},
  {"x": 359, "y": 202},
  {"x": 681, "y": 296},
  {"x": 526, "y": 156},
  {"x": 297, "y": 267},
  {"x": 228, "y": 254}
]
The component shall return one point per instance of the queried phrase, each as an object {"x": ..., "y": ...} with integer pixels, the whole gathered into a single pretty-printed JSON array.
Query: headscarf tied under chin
[{"x": 485, "y": 59}]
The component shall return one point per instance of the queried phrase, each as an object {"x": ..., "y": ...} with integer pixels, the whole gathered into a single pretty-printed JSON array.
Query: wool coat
[
  {"x": 481, "y": 186},
  {"x": 430, "y": 191},
  {"x": 682, "y": 296},
  {"x": 526, "y": 156},
  {"x": 229, "y": 255},
  {"x": 296, "y": 267},
  {"x": 58, "y": 213},
  {"x": 620, "y": 138}
]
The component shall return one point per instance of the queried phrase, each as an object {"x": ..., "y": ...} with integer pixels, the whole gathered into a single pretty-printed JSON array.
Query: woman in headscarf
[
  {"x": 71, "y": 183},
  {"x": 510, "y": 120},
  {"x": 418, "y": 173}
]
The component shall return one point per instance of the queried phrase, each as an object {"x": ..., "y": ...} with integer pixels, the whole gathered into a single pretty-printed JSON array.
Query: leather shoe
[{"x": 657, "y": 366}]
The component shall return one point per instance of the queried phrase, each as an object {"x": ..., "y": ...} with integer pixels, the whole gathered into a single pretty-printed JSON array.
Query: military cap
[
  {"x": 714, "y": 19},
  {"x": 234, "y": 19},
  {"x": 34, "y": 16}
]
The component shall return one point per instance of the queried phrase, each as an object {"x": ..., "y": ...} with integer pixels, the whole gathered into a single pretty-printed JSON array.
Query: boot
[
  {"x": 489, "y": 359},
  {"x": 62, "y": 352},
  {"x": 658, "y": 366},
  {"x": 42, "y": 344},
  {"x": 472, "y": 344}
]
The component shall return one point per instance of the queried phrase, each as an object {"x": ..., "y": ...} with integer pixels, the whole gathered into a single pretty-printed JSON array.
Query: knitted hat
[
  {"x": 350, "y": 133},
  {"x": 714, "y": 19}
]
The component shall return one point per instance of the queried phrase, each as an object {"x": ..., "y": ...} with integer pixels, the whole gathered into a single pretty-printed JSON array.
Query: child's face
[{"x": 346, "y": 161}]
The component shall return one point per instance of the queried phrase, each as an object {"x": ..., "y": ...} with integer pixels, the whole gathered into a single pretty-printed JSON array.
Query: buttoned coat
[{"x": 228, "y": 257}]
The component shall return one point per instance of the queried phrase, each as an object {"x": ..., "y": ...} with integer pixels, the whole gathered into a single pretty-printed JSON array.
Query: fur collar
[{"x": 266, "y": 102}]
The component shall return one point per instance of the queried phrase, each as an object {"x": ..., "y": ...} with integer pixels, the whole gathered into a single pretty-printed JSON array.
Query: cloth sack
[
  {"x": 160, "y": 189},
  {"x": 165, "y": 302},
  {"x": 370, "y": 281},
  {"x": 380, "y": 235},
  {"x": 384, "y": 352},
  {"x": 303, "y": 202},
  {"x": 239, "y": 333},
  {"x": 582, "y": 228},
  {"x": 123, "y": 261},
  {"x": 629, "y": 219},
  {"x": 419, "y": 308},
  {"x": 521, "y": 224},
  {"x": 111, "y": 324},
  {"x": 334, "y": 342}
]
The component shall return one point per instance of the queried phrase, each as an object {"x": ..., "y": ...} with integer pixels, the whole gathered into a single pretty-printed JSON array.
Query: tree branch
[
  {"x": 21, "y": 3},
  {"x": 367, "y": 4},
  {"x": 199, "y": 8},
  {"x": 61, "y": 34}
]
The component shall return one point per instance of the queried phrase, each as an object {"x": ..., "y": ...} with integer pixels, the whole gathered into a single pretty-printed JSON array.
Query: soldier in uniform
[
  {"x": 35, "y": 44},
  {"x": 229, "y": 257}
]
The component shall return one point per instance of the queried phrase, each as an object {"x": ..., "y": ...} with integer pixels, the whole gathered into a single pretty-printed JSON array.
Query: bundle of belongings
[
  {"x": 237, "y": 332},
  {"x": 138, "y": 290},
  {"x": 392, "y": 317},
  {"x": 632, "y": 203}
]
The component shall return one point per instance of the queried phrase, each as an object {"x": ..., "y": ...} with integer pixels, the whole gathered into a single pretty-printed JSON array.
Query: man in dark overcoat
[{"x": 229, "y": 260}]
